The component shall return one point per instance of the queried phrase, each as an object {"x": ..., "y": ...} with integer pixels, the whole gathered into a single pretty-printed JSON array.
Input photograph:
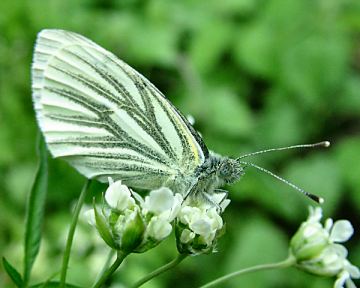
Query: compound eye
[{"x": 224, "y": 170}]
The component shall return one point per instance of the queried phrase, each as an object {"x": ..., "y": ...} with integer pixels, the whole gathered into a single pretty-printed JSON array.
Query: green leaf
[
  {"x": 35, "y": 211},
  {"x": 103, "y": 228},
  {"x": 52, "y": 284},
  {"x": 13, "y": 273}
]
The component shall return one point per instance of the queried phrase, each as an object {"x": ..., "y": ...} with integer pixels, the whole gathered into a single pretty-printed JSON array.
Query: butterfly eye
[
  {"x": 224, "y": 170},
  {"x": 230, "y": 171}
]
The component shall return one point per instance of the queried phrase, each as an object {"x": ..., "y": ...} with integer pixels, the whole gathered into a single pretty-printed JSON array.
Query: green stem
[
  {"x": 66, "y": 256},
  {"x": 160, "y": 270},
  {"x": 283, "y": 264},
  {"x": 106, "y": 264},
  {"x": 120, "y": 258}
]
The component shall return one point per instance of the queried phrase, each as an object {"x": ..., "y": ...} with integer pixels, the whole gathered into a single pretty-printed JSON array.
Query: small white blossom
[
  {"x": 90, "y": 217},
  {"x": 345, "y": 276},
  {"x": 125, "y": 220},
  {"x": 341, "y": 231},
  {"x": 159, "y": 200},
  {"x": 175, "y": 209},
  {"x": 187, "y": 236},
  {"x": 317, "y": 250},
  {"x": 198, "y": 228},
  {"x": 159, "y": 228},
  {"x": 118, "y": 196},
  {"x": 163, "y": 206},
  {"x": 162, "y": 202}
]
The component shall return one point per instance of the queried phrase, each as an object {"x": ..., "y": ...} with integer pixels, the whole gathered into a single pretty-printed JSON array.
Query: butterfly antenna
[
  {"x": 320, "y": 144},
  {"x": 313, "y": 197}
]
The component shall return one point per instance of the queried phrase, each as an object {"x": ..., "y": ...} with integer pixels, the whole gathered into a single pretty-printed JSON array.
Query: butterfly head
[{"x": 230, "y": 170}]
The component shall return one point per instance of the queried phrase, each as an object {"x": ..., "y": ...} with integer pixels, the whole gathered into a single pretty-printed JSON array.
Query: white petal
[
  {"x": 178, "y": 200},
  {"x": 201, "y": 227},
  {"x": 315, "y": 214},
  {"x": 329, "y": 224},
  {"x": 110, "y": 180},
  {"x": 350, "y": 283},
  {"x": 137, "y": 197},
  {"x": 118, "y": 196},
  {"x": 159, "y": 228},
  {"x": 311, "y": 229},
  {"x": 159, "y": 200},
  {"x": 340, "y": 281},
  {"x": 353, "y": 270},
  {"x": 209, "y": 238},
  {"x": 90, "y": 217},
  {"x": 341, "y": 231},
  {"x": 338, "y": 249},
  {"x": 216, "y": 220},
  {"x": 186, "y": 236},
  {"x": 189, "y": 214}
]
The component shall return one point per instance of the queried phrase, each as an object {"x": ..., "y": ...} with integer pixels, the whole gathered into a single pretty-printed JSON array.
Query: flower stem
[
  {"x": 106, "y": 264},
  {"x": 120, "y": 258},
  {"x": 160, "y": 270},
  {"x": 282, "y": 264},
  {"x": 70, "y": 237}
]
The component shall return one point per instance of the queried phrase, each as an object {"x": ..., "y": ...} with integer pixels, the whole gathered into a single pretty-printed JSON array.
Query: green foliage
[
  {"x": 254, "y": 74},
  {"x": 103, "y": 228},
  {"x": 35, "y": 212},
  {"x": 13, "y": 273},
  {"x": 52, "y": 284}
]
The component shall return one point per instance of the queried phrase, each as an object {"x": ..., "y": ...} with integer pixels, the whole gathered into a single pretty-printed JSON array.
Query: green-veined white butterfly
[{"x": 107, "y": 120}]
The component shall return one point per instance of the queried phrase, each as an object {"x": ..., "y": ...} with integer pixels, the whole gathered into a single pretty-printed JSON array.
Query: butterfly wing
[{"x": 105, "y": 118}]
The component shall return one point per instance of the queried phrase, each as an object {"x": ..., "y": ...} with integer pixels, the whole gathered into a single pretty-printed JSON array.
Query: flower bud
[
  {"x": 129, "y": 231},
  {"x": 316, "y": 250},
  {"x": 104, "y": 228},
  {"x": 309, "y": 241},
  {"x": 159, "y": 228}
]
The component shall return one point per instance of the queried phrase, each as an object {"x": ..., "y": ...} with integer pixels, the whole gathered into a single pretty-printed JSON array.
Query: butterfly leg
[{"x": 223, "y": 198}]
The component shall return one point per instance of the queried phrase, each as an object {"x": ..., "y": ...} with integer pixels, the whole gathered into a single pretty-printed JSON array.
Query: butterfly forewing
[{"x": 105, "y": 118}]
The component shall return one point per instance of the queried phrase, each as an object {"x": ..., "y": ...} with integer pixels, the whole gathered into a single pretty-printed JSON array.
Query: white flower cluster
[
  {"x": 129, "y": 223},
  {"x": 199, "y": 227},
  {"x": 317, "y": 250}
]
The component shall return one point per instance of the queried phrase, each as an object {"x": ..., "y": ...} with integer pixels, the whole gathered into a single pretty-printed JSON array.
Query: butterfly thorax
[{"x": 215, "y": 172}]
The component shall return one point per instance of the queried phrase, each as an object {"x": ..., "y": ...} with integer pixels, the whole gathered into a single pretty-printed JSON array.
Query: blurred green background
[{"x": 255, "y": 74}]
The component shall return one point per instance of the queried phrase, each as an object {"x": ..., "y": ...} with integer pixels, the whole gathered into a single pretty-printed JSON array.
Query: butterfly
[{"x": 108, "y": 120}]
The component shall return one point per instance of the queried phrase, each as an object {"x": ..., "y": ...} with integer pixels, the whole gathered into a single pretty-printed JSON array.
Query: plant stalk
[
  {"x": 106, "y": 275},
  {"x": 160, "y": 270},
  {"x": 282, "y": 264},
  {"x": 69, "y": 241}
]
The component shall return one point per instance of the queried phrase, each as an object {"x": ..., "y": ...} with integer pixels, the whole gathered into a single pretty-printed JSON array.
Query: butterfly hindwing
[{"x": 105, "y": 118}]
